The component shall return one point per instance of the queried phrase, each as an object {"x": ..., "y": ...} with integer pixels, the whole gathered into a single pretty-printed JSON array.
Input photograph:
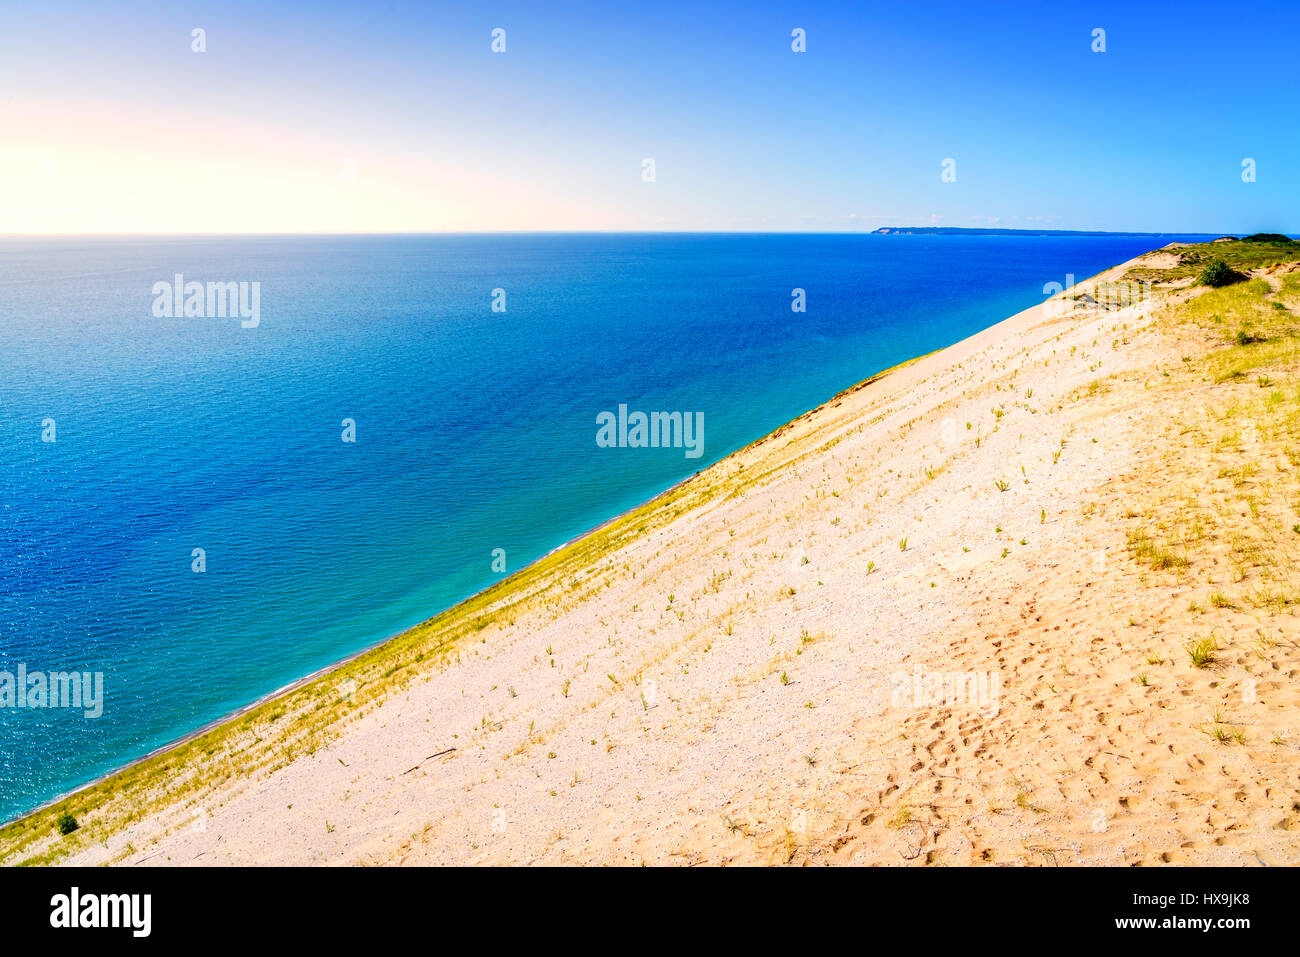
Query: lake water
[{"x": 474, "y": 430}]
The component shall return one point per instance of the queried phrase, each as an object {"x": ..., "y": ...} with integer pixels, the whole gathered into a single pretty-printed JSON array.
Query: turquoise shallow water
[{"x": 475, "y": 431}]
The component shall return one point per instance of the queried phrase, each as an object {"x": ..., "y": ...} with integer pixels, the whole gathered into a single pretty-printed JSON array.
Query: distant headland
[{"x": 964, "y": 231}]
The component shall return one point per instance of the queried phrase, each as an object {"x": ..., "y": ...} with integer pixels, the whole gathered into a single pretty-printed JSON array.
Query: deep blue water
[{"x": 475, "y": 431}]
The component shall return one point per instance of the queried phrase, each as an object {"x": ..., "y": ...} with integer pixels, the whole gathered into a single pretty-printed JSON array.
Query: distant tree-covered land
[{"x": 964, "y": 231}]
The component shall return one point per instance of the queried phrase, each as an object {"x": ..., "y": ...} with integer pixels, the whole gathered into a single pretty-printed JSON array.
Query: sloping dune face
[{"x": 1026, "y": 600}]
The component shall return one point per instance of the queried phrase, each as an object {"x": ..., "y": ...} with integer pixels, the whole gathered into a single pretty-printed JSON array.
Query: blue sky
[{"x": 395, "y": 116}]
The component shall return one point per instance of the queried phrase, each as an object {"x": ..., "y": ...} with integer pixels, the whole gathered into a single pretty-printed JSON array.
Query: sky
[{"x": 400, "y": 117}]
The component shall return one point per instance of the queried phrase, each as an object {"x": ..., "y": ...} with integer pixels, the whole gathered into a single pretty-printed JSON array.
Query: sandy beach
[{"x": 1026, "y": 600}]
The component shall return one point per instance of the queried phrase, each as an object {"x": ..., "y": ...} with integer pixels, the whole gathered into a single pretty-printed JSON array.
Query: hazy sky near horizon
[{"x": 354, "y": 117}]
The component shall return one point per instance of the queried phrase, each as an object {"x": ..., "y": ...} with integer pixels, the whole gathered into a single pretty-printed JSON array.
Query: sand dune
[{"x": 914, "y": 626}]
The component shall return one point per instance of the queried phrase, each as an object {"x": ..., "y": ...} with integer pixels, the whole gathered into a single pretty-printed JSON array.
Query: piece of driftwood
[{"x": 429, "y": 758}]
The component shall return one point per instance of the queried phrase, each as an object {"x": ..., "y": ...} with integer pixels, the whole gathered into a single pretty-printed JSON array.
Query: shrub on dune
[{"x": 1218, "y": 273}]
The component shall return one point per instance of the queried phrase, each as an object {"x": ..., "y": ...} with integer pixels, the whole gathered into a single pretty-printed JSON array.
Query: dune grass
[
  {"x": 1237, "y": 254},
  {"x": 1238, "y": 498}
]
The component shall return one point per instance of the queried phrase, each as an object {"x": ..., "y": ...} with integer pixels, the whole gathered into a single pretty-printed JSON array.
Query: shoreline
[
  {"x": 229, "y": 720},
  {"x": 284, "y": 691},
  {"x": 705, "y": 677}
]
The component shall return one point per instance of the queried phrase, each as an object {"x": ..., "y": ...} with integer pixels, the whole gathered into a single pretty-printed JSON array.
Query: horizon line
[{"x": 932, "y": 230}]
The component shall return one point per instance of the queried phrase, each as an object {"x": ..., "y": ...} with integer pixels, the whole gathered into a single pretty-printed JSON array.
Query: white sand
[{"x": 697, "y": 751}]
